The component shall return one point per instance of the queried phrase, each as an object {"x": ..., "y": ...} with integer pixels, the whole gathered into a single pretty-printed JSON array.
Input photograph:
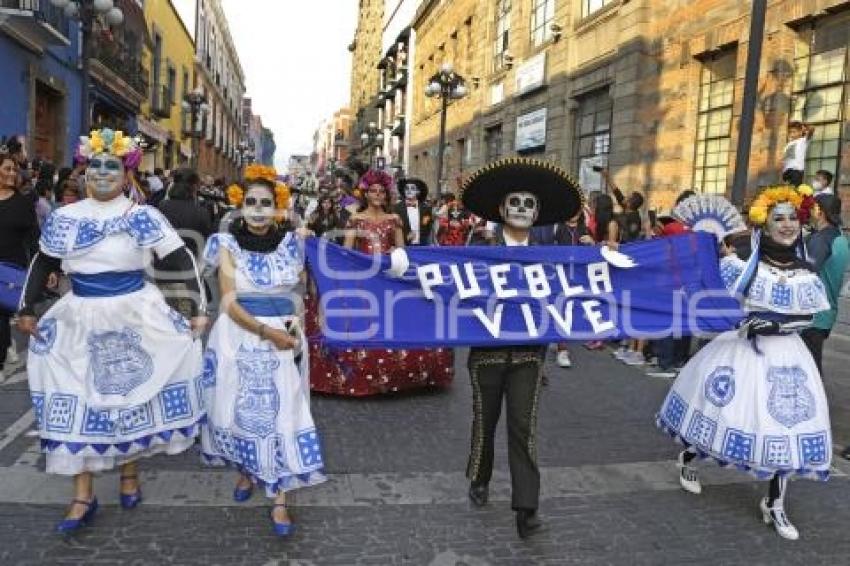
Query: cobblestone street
[{"x": 397, "y": 494}]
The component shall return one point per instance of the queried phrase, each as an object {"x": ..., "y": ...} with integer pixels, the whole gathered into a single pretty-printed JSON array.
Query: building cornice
[{"x": 423, "y": 12}]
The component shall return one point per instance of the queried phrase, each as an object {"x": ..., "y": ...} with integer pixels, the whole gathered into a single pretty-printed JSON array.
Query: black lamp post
[
  {"x": 195, "y": 102},
  {"x": 86, "y": 11},
  {"x": 245, "y": 149},
  {"x": 371, "y": 139},
  {"x": 447, "y": 85}
]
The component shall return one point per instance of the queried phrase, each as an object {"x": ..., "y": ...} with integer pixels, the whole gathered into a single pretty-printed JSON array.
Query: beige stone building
[
  {"x": 365, "y": 55},
  {"x": 652, "y": 88}
]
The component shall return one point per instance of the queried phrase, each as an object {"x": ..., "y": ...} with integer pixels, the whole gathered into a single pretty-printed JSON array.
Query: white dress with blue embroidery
[
  {"x": 112, "y": 378},
  {"x": 757, "y": 405},
  {"x": 258, "y": 397}
]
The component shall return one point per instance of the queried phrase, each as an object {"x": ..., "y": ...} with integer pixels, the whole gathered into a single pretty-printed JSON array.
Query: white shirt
[
  {"x": 413, "y": 218},
  {"x": 155, "y": 184},
  {"x": 511, "y": 242},
  {"x": 795, "y": 154}
]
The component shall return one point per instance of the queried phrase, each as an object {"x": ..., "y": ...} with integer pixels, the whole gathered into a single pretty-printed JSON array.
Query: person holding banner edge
[{"x": 520, "y": 193}]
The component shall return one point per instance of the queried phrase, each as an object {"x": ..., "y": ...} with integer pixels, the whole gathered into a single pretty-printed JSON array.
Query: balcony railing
[
  {"x": 38, "y": 13},
  {"x": 122, "y": 61}
]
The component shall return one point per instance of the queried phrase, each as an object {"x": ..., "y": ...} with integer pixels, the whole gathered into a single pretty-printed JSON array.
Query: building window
[
  {"x": 172, "y": 84},
  {"x": 493, "y": 143},
  {"x": 542, "y": 15},
  {"x": 820, "y": 88},
  {"x": 590, "y": 6},
  {"x": 156, "y": 67},
  {"x": 714, "y": 122},
  {"x": 593, "y": 125},
  {"x": 503, "y": 31}
]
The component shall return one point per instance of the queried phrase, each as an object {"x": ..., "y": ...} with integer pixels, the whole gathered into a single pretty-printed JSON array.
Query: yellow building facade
[{"x": 170, "y": 60}]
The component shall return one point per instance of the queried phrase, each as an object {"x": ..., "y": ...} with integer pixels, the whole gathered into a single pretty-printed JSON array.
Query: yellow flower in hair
[
  {"x": 96, "y": 142},
  {"x": 235, "y": 194},
  {"x": 281, "y": 200},
  {"x": 758, "y": 215},
  {"x": 120, "y": 144},
  {"x": 805, "y": 190},
  {"x": 256, "y": 171}
]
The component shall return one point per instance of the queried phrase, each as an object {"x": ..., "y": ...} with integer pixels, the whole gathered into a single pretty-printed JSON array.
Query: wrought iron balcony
[
  {"x": 121, "y": 61},
  {"x": 37, "y": 21}
]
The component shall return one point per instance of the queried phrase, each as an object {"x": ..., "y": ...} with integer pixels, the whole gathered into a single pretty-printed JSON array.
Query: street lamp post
[
  {"x": 86, "y": 11},
  {"x": 448, "y": 85},
  {"x": 195, "y": 102},
  {"x": 245, "y": 149},
  {"x": 371, "y": 139}
]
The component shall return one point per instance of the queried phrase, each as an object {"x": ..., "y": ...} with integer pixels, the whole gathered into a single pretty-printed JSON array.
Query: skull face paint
[
  {"x": 783, "y": 226},
  {"x": 258, "y": 206},
  {"x": 520, "y": 210},
  {"x": 411, "y": 192},
  {"x": 105, "y": 176}
]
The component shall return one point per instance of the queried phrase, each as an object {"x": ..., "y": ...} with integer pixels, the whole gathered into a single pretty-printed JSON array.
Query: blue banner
[{"x": 496, "y": 295}]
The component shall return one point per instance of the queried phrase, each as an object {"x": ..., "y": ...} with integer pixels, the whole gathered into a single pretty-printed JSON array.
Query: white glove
[
  {"x": 617, "y": 259},
  {"x": 399, "y": 262}
]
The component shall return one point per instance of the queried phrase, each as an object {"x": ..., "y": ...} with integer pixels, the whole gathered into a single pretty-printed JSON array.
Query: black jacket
[
  {"x": 190, "y": 219},
  {"x": 426, "y": 221}
]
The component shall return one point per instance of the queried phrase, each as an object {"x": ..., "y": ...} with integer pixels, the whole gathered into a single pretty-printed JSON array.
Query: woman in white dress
[
  {"x": 753, "y": 398},
  {"x": 255, "y": 365},
  {"x": 113, "y": 371}
]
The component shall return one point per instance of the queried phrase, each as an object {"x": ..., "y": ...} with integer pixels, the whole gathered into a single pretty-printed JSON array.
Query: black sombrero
[
  {"x": 485, "y": 190},
  {"x": 419, "y": 183}
]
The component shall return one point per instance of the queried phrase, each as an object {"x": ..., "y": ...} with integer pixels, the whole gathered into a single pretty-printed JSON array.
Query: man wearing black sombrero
[
  {"x": 519, "y": 193},
  {"x": 416, "y": 215}
]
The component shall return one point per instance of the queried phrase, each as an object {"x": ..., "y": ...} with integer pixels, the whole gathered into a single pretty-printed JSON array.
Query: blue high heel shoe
[
  {"x": 282, "y": 529},
  {"x": 241, "y": 495},
  {"x": 132, "y": 500},
  {"x": 67, "y": 526}
]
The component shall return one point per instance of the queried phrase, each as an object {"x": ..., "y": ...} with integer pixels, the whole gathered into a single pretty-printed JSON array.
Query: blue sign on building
[{"x": 42, "y": 82}]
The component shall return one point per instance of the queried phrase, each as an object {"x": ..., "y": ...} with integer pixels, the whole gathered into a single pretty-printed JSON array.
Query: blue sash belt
[
  {"x": 267, "y": 306},
  {"x": 107, "y": 284}
]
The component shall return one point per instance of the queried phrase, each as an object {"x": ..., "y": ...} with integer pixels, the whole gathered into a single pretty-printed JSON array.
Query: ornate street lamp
[
  {"x": 86, "y": 11},
  {"x": 447, "y": 85},
  {"x": 195, "y": 103},
  {"x": 371, "y": 139},
  {"x": 245, "y": 149}
]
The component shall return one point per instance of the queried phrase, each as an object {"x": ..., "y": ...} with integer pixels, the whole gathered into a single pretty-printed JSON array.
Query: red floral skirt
[{"x": 358, "y": 372}]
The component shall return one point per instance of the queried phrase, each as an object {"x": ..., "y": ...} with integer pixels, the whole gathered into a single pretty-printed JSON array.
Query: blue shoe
[
  {"x": 242, "y": 495},
  {"x": 282, "y": 529},
  {"x": 132, "y": 500},
  {"x": 68, "y": 526}
]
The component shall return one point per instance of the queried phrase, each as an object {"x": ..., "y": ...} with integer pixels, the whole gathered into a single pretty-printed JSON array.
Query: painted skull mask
[
  {"x": 783, "y": 225},
  {"x": 258, "y": 206},
  {"x": 105, "y": 176},
  {"x": 520, "y": 209},
  {"x": 411, "y": 191}
]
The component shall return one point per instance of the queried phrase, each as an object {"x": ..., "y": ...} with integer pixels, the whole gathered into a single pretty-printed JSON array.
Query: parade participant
[
  {"x": 326, "y": 217},
  {"x": 753, "y": 398},
  {"x": 257, "y": 390},
  {"x": 111, "y": 366},
  {"x": 520, "y": 193},
  {"x": 18, "y": 242},
  {"x": 415, "y": 213},
  {"x": 454, "y": 228},
  {"x": 359, "y": 372}
]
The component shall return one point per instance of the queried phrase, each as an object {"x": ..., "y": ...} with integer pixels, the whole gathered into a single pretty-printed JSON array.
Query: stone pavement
[{"x": 396, "y": 493}]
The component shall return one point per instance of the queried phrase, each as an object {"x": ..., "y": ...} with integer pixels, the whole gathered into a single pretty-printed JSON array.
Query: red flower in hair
[
  {"x": 804, "y": 213},
  {"x": 376, "y": 177}
]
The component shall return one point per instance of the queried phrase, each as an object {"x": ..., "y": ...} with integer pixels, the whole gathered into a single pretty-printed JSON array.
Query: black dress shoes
[
  {"x": 527, "y": 523},
  {"x": 479, "y": 494}
]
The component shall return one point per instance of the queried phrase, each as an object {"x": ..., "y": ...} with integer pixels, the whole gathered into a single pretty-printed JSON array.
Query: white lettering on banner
[
  {"x": 494, "y": 327},
  {"x": 429, "y": 277},
  {"x": 538, "y": 285},
  {"x": 463, "y": 291},
  {"x": 594, "y": 317},
  {"x": 499, "y": 276},
  {"x": 529, "y": 320}
]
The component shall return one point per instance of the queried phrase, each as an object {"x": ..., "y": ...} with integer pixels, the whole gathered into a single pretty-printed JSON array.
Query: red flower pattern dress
[{"x": 359, "y": 372}]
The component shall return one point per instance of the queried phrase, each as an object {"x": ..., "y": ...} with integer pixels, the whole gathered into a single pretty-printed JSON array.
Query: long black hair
[
  {"x": 604, "y": 214},
  {"x": 186, "y": 182}
]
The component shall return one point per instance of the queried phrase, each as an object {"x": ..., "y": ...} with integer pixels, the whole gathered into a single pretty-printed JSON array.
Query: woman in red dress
[{"x": 356, "y": 371}]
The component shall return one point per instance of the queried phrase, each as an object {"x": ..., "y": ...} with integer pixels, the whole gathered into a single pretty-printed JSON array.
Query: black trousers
[
  {"x": 814, "y": 339},
  {"x": 5, "y": 336},
  {"x": 516, "y": 378}
]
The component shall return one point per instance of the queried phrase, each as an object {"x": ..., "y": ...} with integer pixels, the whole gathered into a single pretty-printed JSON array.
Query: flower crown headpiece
[
  {"x": 111, "y": 142},
  {"x": 801, "y": 199},
  {"x": 254, "y": 172},
  {"x": 376, "y": 177}
]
